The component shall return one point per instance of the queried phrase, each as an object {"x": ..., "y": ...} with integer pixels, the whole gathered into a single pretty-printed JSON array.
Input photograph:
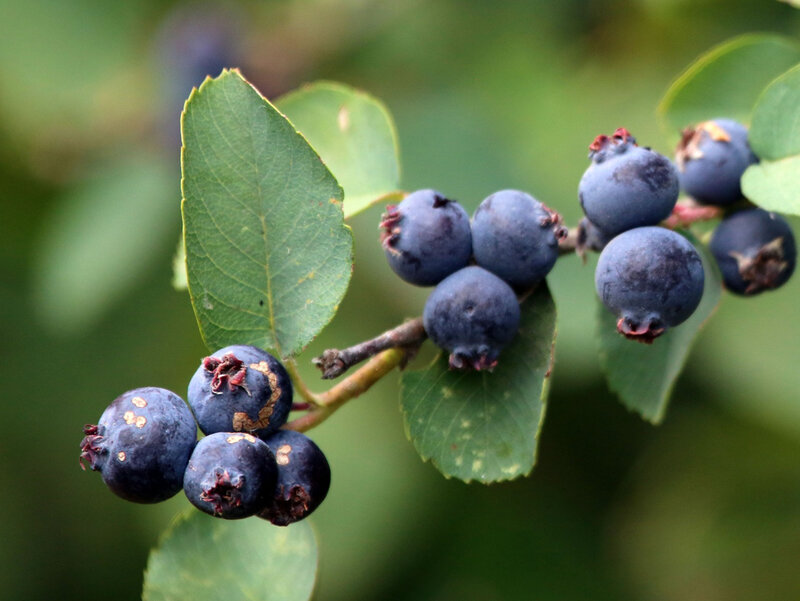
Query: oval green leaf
[
  {"x": 775, "y": 127},
  {"x": 485, "y": 426},
  {"x": 268, "y": 255},
  {"x": 643, "y": 375},
  {"x": 774, "y": 186},
  {"x": 207, "y": 559},
  {"x": 103, "y": 235},
  {"x": 354, "y": 135},
  {"x": 726, "y": 81}
]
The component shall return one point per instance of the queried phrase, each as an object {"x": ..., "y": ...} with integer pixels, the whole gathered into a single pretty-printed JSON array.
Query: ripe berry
[
  {"x": 591, "y": 237},
  {"x": 473, "y": 314},
  {"x": 230, "y": 475},
  {"x": 304, "y": 478},
  {"x": 426, "y": 237},
  {"x": 240, "y": 389},
  {"x": 626, "y": 186},
  {"x": 755, "y": 251},
  {"x": 711, "y": 158},
  {"x": 141, "y": 444},
  {"x": 651, "y": 278},
  {"x": 516, "y": 237}
]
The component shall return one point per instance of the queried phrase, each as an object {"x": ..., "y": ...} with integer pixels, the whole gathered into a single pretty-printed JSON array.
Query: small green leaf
[
  {"x": 775, "y": 128},
  {"x": 267, "y": 252},
  {"x": 103, "y": 235},
  {"x": 207, "y": 559},
  {"x": 354, "y": 135},
  {"x": 727, "y": 80},
  {"x": 774, "y": 186},
  {"x": 485, "y": 426},
  {"x": 643, "y": 375}
]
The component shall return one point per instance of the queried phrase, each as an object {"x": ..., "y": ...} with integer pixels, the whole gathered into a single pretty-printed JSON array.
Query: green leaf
[
  {"x": 726, "y": 81},
  {"x": 643, "y": 375},
  {"x": 485, "y": 426},
  {"x": 795, "y": 3},
  {"x": 775, "y": 128},
  {"x": 268, "y": 254},
  {"x": 774, "y": 186},
  {"x": 207, "y": 559},
  {"x": 101, "y": 237},
  {"x": 354, "y": 135}
]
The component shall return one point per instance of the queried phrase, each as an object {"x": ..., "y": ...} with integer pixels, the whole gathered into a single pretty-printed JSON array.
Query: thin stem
[
  {"x": 334, "y": 362},
  {"x": 355, "y": 384},
  {"x": 299, "y": 385}
]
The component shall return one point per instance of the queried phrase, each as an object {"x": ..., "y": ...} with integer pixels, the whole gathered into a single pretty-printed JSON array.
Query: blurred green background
[{"x": 486, "y": 95}]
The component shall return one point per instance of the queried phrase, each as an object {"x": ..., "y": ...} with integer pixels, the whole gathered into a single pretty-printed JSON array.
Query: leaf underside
[{"x": 485, "y": 426}]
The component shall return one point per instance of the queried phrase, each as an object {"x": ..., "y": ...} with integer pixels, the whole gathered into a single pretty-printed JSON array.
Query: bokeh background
[{"x": 486, "y": 95}]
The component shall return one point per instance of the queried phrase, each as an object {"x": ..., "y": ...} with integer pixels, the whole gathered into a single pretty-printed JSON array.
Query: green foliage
[
  {"x": 128, "y": 208},
  {"x": 268, "y": 255},
  {"x": 206, "y": 559},
  {"x": 353, "y": 134},
  {"x": 480, "y": 426},
  {"x": 727, "y": 80},
  {"x": 774, "y": 183},
  {"x": 643, "y": 375}
]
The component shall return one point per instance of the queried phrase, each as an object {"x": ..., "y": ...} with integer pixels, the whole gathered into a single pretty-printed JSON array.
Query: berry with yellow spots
[{"x": 142, "y": 444}]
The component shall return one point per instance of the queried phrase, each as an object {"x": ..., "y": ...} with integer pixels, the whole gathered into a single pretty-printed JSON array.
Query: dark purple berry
[
  {"x": 626, "y": 186},
  {"x": 304, "y": 478},
  {"x": 230, "y": 475},
  {"x": 651, "y": 278},
  {"x": 426, "y": 237},
  {"x": 516, "y": 237},
  {"x": 711, "y": 158},
  {"x": 240, "y": 389},
  {"x": 755, "y": 251},
  {"x": 473, "y": 314},
  {"x": 141, "y": 444}
]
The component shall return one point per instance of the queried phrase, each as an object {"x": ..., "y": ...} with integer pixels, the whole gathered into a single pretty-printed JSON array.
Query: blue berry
[
  {"x": 230, "y": 475},
  {"x": 426, "y": 237},
  {"x": 755, "y": 251},
  {"x": 141, "y": 444},
  {"x": 711, "y": 158},
  {"x": 304, "y": 478},
  {"x": 651, "y": 278},
  {"x": 240, "y": 389},
  {"x": 472, "y": 314},
  {"x": 626, "y": 186},
  {"x": 590, "y": 237},
  {"x": 516, "y": 237}
]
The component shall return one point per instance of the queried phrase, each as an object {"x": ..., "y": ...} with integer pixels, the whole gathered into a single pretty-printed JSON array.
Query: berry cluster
[
  {"x": 650, "y": 277},
  {"x": 473, "y": 312},
  {"x": 145, "y": 445}
]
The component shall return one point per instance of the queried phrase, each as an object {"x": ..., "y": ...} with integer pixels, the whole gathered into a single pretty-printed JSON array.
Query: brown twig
[{"x": 334, "y": 362}]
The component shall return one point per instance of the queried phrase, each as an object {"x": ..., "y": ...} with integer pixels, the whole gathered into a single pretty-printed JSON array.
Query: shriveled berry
[
  {"x": 711, "y": 158},
  {"x": 304, "y": 478},
  {"x": 473, "y": 314},
  {"x": 240, "y": 389},
  {"x": 755, "y": 251},
  {"x": 516, "y": 237},
  {"x": 627, "y": 185},
  {"x": 230, "y": 475},
  {"x": 426, "y": 237},
  {"x": 142, "y": 444},
  {"x": 652, "y": 279}
]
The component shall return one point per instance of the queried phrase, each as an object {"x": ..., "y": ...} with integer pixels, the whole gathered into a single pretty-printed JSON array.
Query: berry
[
  {"x": 141, "y": 444},
  {"x": 516, "y": 237},
  {"x": 304, "y": 478},
  {"x": 240, "y": 389},
  {"x": 755, "y": 251},
  {"x": 426, "y": 237},
  {"x": 230, "y": 475},
  {"x": 711, "y": 158},
  {"x": 651, "y": 278},
  {"x": 626, "y": 186},
  {"x": 590, "y": 237},
  {"x": 472, "y": 314}
]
